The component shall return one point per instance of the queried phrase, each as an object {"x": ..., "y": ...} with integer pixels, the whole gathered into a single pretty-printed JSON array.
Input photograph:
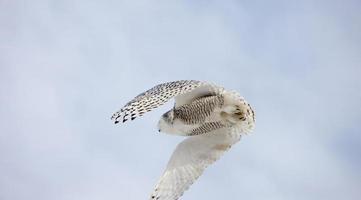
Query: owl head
[{"x": 165, "y": 123}]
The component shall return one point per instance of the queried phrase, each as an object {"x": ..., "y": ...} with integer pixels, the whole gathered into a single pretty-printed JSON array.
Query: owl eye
[{"x": 165, "y": 115}]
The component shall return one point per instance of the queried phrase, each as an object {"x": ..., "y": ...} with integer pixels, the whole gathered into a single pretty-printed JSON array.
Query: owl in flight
[{"x": 213, "y": 119}]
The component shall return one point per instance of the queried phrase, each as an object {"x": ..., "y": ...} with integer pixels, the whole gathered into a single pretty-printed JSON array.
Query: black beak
[{"x": 158, "y": 130}]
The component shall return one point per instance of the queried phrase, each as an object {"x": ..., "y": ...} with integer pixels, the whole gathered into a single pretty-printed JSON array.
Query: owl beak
[{"x": 158, "y": 130}]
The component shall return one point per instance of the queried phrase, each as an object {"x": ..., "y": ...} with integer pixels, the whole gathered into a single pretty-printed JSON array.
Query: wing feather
[
  {"x": 153, "y": 98},
  {"x": 159, "y": 95},
  {"x": 189, "y": 160},
  {"x": 205, "y": 89}
]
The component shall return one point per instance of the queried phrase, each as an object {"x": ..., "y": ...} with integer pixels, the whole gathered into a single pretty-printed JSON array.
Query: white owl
[{"x": 212, "y": 117}]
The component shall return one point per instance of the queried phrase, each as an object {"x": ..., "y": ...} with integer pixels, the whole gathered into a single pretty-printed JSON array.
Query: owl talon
[{"x": 239, "y": 114}]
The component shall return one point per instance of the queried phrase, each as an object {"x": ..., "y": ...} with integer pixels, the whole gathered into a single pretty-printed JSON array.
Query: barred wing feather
[{"x": 184, "y": 91}]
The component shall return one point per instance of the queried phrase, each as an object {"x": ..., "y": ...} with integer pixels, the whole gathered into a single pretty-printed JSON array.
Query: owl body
[
  {"x": 204, "y": 114},
  {"x": 212, "y": 117}
]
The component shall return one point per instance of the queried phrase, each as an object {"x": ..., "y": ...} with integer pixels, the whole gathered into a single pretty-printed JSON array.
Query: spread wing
[
  {"x": 189, "y": 160},
  {"x": 184, "y": 91}
]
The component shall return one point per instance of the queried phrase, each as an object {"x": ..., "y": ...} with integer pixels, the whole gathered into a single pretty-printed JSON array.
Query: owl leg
[{"x": 240, "y": 114}]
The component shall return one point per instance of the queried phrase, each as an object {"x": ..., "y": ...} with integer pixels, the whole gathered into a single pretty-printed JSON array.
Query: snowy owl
[{"x": 212, "y": 117}]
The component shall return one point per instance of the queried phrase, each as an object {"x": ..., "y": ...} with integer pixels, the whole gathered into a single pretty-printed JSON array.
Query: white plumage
[{"x": 212, "y": 117}]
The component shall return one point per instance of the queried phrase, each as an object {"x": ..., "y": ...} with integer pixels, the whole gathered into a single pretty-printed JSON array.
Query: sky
[{"x": 66, "y": 66}]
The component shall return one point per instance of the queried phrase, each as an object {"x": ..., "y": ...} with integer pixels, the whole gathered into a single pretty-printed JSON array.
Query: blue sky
[{"x": 66, "y": 66}]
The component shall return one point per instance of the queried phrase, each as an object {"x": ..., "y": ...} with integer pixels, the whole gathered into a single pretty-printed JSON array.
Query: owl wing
[
  {"x": 184, "y": 91},
  {"x": 189, "y": 160}
]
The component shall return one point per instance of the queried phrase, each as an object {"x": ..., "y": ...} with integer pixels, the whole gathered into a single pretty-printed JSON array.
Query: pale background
[{"x": 67, "y": 65}]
